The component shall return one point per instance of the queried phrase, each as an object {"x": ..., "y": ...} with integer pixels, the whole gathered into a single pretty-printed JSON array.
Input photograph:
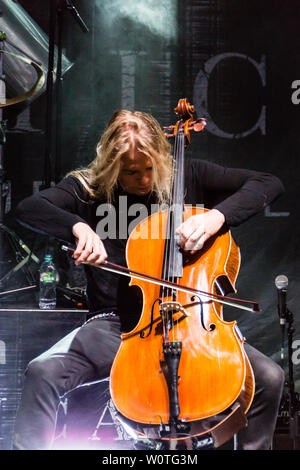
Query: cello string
[
  {"x": 166, "y": 268},
  {"x": 177, "y": 193},
  {"x": 179, "y": 201},
  {"x": 174, "y": 220},
  {"x": 172, "y": 224},
  {"x": 172, "y": 253},
  {"x": 174, "y": 209}
]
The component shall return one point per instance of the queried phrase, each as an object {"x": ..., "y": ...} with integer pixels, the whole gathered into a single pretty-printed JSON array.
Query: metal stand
[
  {"x": 3, "y": 402},
  {"x": 3, "y": 185},
  {"x": 290, "y": 399}
]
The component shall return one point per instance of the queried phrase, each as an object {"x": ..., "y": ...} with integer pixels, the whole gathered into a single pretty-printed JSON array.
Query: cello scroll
[{"x": 186, "y": 123}]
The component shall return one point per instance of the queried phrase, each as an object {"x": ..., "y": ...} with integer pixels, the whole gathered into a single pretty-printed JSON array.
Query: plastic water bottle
[{"x": 48, "y": 280}]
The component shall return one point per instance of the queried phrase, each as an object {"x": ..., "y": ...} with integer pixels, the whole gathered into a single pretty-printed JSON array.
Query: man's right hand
[{"x": 90, "y": 248}]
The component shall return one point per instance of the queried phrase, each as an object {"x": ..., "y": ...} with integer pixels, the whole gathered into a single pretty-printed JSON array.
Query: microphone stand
[
  {"x": 3, "y": 185},
  {"x": 292, "y": 397},
  {"x": 294, "y": 404}
]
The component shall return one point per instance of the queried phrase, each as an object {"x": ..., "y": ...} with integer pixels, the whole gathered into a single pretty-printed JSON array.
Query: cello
[{"x": 182, "y": 370}]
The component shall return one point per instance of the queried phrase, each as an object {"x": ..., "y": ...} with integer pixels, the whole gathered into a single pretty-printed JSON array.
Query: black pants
[{"x": 86, "y": 355}]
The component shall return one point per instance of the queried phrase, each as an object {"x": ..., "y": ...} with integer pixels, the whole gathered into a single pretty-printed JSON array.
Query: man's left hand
[{"x": 198, "y": 228}]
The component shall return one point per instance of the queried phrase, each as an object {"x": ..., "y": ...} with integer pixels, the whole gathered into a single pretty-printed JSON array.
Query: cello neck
[{"x": 173, "y": 261}]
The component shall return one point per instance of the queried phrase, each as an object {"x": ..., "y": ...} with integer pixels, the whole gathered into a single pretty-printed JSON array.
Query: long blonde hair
[{"x": 127, "y": 131}]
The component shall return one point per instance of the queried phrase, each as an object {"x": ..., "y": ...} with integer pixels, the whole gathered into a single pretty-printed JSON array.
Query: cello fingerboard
[{"x": 173, "y": 259}]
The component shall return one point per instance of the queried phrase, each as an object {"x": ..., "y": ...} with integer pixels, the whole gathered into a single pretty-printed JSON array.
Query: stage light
[{"x": 158, "y": 17}]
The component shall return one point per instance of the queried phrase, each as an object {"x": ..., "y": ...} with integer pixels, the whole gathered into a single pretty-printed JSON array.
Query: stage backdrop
[{"x": 238, "y": 63}]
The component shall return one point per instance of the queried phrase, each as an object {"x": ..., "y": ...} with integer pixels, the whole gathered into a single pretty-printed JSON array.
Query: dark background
[{"x": 146, "y": 55}]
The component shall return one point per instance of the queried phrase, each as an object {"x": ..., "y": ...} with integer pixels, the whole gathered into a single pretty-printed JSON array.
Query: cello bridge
[{"x": 172, "y": 308}]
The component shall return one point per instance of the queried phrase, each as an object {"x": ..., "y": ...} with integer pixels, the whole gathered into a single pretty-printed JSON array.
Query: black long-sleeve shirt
[{"x": 237, "y": 193}]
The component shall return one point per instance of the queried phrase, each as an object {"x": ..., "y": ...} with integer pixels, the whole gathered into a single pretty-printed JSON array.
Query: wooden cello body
[{"x": 214, "y": 371}]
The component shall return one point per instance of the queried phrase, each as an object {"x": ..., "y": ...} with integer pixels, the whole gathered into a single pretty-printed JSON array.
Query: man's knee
[
  {"x": 47, "y": 370},
  {"x": 274, "y": 379},
  {"x": 276, "y": 375}
]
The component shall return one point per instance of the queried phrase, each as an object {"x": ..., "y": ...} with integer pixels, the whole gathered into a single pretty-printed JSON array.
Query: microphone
[{"x": 281, "y": 283}]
